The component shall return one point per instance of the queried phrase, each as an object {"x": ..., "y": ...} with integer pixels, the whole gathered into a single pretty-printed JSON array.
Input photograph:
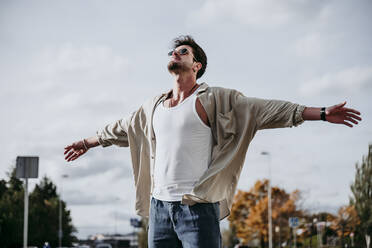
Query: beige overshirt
[{"x": 234, "y": 120}]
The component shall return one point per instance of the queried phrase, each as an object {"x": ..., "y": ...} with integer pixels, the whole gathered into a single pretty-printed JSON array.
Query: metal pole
[
  {"x": 270, "y": 210},
  {"x": 269, "y": 203},
  {"x": 319, "y": 236},
  {"x": 60, "y": 232},
  {"x": 60, "y": 223},
  {"x": 115, "y": 223},
  {"x": 25, "y": 219}
]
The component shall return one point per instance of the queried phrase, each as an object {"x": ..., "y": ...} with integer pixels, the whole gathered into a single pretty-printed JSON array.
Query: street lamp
[
  {"x": 269, "y": 201},
  {"x": 352, "y": 239},
  {"x": 117, "y": 199},
  {"x": 277, "y": 230},
  {"x": 60, "y": 233}
]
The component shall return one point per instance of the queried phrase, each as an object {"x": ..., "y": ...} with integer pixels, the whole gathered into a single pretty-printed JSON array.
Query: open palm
[
  {"x": 340, "y": 115},
  {"x": 74, "y": 151}
]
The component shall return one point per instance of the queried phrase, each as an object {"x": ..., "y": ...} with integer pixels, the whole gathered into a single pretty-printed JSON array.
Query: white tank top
[{"x": 183, "y": 149}]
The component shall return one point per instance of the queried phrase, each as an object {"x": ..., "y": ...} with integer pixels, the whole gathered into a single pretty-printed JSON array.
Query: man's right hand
[
  {"x": 75, "y": 150},
  {"x": 80, "y": 147}
]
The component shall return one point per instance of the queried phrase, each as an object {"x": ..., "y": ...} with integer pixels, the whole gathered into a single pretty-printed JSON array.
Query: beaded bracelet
[{"x": 85, "y": 145}]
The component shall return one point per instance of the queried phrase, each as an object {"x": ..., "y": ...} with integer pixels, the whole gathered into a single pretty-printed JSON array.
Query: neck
[{"x": 183, "y": 83}]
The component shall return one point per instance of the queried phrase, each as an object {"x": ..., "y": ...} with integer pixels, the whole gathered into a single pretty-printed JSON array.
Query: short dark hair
[{"x": 198, "y": 52}]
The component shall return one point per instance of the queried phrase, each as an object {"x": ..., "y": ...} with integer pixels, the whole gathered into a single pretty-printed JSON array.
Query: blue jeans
[{"x": 172, "y": 224}]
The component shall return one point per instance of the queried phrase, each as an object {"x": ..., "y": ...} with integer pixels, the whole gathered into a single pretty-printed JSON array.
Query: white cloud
[
  {"x": 62, "y": 64},
  {"x": 345, "y": 81},
  {"x": 310, "y": 45},
  {"x": 254, "y": 13}
]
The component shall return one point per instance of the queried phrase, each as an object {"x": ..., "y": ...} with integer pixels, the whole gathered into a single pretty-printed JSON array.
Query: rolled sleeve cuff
[
  {"x": 298, "y": 120},
  {"x": 101, "y": 141}
]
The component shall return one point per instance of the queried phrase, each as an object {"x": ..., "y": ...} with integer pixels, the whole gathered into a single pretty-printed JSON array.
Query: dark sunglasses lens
[
  {"x": 183, "y": 51},
  {"x": 170, "y": 53}
]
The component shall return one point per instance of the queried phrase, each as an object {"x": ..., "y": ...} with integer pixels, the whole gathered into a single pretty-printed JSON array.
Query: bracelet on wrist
[
  {"x": 85, "y": 145},
  {"x": 323, "y": 114}
]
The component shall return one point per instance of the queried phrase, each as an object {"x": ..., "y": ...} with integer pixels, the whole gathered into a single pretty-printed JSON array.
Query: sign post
[
  {"x": 293, "y": 222},
  {"x": 26, "y": 167}
]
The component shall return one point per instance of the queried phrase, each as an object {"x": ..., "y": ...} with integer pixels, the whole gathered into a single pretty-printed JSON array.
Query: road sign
[
  {"x": 293, "y": 222},
  {"x": 27, "y": 167}
]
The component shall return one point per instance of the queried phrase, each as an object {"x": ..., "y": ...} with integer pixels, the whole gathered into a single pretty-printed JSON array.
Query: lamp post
[
  {"x": 60, "y": 233},
  {"x": 315, "y": 221},
  {"x": 269, "y": 201},
  {"x": 117, "y": 199},
  {"x": 352, "y": 239},
  {"x": 277, "y": 230}
]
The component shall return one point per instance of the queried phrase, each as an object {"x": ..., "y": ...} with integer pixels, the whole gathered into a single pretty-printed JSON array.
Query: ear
[{"x": 197, "y": 67}]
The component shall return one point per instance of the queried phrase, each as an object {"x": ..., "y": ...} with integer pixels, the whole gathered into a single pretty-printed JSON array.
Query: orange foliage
[
  {"x": 249, "y": 213},
  {"x": 346, "y": 221}
]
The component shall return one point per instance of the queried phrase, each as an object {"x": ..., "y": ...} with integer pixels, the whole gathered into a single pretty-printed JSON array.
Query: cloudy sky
[{"x": 67, "y": 68}]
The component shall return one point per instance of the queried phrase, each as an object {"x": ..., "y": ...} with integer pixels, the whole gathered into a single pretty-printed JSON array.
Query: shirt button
[{"x": 152, "y": 157}]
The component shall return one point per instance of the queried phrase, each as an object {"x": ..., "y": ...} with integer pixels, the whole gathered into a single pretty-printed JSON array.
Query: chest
[{"x": 199, "y": 110}]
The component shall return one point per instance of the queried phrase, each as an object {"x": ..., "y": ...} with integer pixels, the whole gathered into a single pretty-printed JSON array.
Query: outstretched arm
[
  {"x": 112, "y": 134},
  {"x": 337, "y": 114},
  {"x": 80, "y": 147}
]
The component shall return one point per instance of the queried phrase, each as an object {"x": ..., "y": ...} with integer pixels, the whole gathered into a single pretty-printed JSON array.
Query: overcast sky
[{"x": 67, "y": 68}]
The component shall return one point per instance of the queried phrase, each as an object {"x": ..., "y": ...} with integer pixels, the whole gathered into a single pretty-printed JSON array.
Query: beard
[{"x": 174, "y": 66}]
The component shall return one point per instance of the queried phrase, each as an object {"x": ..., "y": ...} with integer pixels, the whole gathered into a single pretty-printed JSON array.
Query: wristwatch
[{"x": 323, "y": 114}]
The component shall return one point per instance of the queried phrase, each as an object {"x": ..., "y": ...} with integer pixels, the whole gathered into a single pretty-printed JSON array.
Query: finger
[
  {"x": 351, "y": 120},
  {"x": 335, "y": 108},
  {"x": 67, "y": 150},
  {"x": 72, "y": 157},
  {"x": 352, "y": 110},
  {"x": 68, "y": 147},
  {"x": 76, "y": 155},
  {"x": 340, "y": 104},
  {"x": 347, "y": 124},
  {"x": 353, "y": 116},
  {"x": 68, "y": 159},
  {"x": 68, "y": 156}
]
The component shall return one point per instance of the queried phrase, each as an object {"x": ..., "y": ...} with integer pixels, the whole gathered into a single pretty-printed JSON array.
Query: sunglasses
[{"x": 182, "y": 51}]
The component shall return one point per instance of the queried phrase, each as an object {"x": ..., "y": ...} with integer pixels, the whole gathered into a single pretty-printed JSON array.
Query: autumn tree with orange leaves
[
  {"x": 249, "y": 213},
  {"x": 345, "y": 222}
]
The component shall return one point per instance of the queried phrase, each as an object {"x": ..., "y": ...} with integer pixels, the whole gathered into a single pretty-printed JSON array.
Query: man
[{"x": 188, "y": 147}]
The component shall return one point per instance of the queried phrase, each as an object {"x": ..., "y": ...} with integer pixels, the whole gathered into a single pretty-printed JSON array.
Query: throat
[{"x": 171, "y": 102}]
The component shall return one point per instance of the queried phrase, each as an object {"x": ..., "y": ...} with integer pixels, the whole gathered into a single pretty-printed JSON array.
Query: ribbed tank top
[{"x": 183, "y": 149}]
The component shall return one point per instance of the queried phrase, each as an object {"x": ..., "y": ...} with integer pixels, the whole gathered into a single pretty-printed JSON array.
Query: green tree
[
  {"x": 11, "y": 211},
  {"x": 43, "y": 214},
  {"x": 362, "y": 193}
]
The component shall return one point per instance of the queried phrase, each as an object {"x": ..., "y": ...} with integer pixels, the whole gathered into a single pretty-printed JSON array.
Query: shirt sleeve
[
  {"x": 115, "y": 133},
  {"x": 270, "y": 113},
  {"x": 276, "y": 113}
]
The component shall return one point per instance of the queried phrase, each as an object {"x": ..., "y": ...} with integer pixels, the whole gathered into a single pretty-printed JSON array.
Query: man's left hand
[{"x": 340, "y": 115}]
